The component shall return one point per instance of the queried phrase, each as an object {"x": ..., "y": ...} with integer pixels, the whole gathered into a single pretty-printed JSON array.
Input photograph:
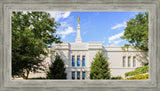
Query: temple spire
[{"x": 78, "y": 38}]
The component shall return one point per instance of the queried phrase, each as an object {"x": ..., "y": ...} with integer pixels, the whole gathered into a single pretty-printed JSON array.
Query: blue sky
[{"x": 105, "y": 27}]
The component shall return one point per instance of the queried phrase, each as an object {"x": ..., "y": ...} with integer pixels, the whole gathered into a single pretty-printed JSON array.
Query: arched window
[{"x": 83, "y": 61}]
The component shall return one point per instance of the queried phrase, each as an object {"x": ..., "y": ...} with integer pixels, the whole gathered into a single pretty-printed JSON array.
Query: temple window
[
  {"x": 83, "y": 75},
  {"x": 78, "y": 75},
  {"x": 83, "y": 61},
  {"x": 129, "y": 61},
  {"x": 78, "y": 60},
  {"x": 73, "y": 75},
  {"x": 124, "y": 61},
  {"x": 134, "y": 61},
  {"x": 73, "y": 61}
]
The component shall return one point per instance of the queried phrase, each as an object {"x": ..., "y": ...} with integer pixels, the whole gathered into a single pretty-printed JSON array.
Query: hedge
[
  {"x": 117, "y": 78},
  {"x": 141, "y": 76},
  {"x": 139, "y": 70},
  {"x": 36, "y": 78}
]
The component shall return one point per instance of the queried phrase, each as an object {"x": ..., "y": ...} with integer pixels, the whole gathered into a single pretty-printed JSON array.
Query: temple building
[{"x": 78, "y": 56}]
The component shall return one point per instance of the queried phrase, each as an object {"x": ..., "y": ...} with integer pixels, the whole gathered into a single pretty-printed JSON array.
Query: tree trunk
[
  {"x": 24, "y": 77},
  {"x": 27, "y": 73}
]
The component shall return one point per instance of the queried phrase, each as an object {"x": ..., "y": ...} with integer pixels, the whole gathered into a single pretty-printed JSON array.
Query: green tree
[
  {"x": 32, "y": 33},
  {"x": 57, "y": 69},
  {"x": 136, "y": 32},
  {"x": 100, "y": 67}
]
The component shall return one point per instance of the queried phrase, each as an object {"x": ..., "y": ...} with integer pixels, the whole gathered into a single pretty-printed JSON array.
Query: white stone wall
[{"x": 114, "y": 55}]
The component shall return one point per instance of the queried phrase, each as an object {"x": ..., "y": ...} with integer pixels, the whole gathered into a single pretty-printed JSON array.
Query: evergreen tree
[
  {"x": 57, "y": 69},
  {"x": 100, "y": 67}
]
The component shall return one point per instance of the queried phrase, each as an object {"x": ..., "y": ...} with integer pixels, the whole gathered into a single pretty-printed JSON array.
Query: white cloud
[
  {"x": 114, "y": 43},
  {"x": 115, "y": 36},
  {"x": 104, "y": 40},
  {"x": 66, "y": 14},
  {"x": 64, "y": 24},
  {"x": 85, "y": 32},
  {"x": 119, "y": 25},
  {"x": 59, "y": 15},
  {"x": 67, "y": 31}
]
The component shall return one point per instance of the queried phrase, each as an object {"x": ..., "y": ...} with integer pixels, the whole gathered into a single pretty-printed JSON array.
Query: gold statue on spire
[{"x": 78, "y": 19}]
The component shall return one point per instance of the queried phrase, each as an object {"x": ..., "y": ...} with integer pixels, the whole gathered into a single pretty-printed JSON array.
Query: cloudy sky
[{"x": 105, "y": 27}]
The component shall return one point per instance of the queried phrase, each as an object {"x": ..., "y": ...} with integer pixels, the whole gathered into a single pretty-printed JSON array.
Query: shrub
[
  {"x": 57, "y": 69},
  {"x": 139, "y": 70},
  {"x": 140, "y": 76},
  {"x": 117, "y": 78},
  {"x": 37, "y": 78}
]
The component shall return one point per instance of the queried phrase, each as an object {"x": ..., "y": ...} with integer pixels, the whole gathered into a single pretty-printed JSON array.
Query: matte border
[{"x": 7, "y": 6}]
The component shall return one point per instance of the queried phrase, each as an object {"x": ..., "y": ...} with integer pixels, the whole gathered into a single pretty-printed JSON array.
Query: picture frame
[{"x": 151, "y": 84}]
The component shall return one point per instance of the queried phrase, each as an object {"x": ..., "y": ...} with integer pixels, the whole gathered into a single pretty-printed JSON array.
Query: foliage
[
  {"x": 139, "y": 70},
  {"x": 32, "y": 33},
  {"x": 125, "y": 47},
  {"x": 117, "y": 78},
  {"x": 136, "y": 32},
  {"x": 37, "y": 78},
  {"x": 100, "y": 67},
  {"x": 146, "y": 64},
  {"x": 140, "y": 76},
  {"x": 57, "y": 69}
]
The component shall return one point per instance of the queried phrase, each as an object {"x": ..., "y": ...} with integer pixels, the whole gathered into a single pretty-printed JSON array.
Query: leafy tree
[
  {"x": 100, "y": 67},
  {"x": 32, "y": 33},
  {"x": 136, "y": 32},
  {"x": 57, "y": 69}
]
